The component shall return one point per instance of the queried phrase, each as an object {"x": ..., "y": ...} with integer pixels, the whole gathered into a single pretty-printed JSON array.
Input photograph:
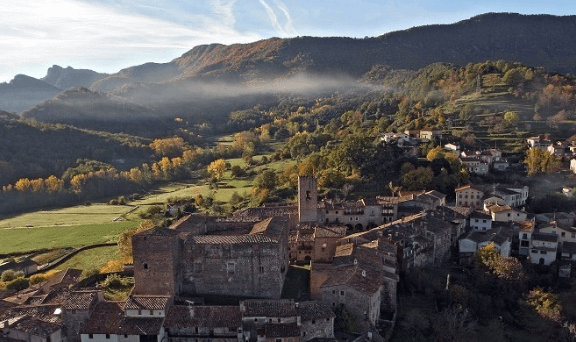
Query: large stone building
[{"x": 195, "y": 258}]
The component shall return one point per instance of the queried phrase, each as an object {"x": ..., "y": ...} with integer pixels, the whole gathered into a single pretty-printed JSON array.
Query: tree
[
  {"x": 547, "y": 304},
  {"x": 539, "y": 161},
  {"x": 418, "y": 179},
  {"x": 435, "y": 153},
  {"x": 266, "y": 180},
  {"x": 505, "y": 268},
  {"x": 217, "y": 168},
  {"x": 511, "y": 119}
]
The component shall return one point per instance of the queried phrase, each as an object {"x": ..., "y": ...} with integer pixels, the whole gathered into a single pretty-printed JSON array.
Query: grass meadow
[{"x": 24, "y": 239}]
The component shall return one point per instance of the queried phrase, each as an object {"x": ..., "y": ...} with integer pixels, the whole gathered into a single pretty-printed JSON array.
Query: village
[{"x": 355, "y": 252}]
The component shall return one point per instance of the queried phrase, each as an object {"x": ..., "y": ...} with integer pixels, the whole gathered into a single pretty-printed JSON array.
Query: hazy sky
[{"x": 108, "y": 35}]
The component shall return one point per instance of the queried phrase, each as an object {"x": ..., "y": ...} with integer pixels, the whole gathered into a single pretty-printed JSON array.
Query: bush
[
  {"x": 19, "y": 274},
  {"x": 8, "y": 275},
  {"x": 18, "y": 284},
  {"x": 38, "y": 278},
  {"x": 113, "y": 280},
  {"x": 113, "y": 202}
]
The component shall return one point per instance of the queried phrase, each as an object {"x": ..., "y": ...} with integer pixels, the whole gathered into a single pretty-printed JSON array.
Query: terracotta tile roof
[
  {"x": 329, "y": 232},
  {"x": 281, "y": 330},
  {"x": 314, "y": 310},
  {"x": 469, "y": 186},
  {"x": 344, "y": 250},
  {"x": 500, "y": 208},
  {"x": 261, "y": 227},
  {"x": 180, "y": 316},
  {"x": 229, "y": 239},
  {"x": 108, "y": 318},
  {"x": 80, "y": 300},
  {"x": 268, "y": 308},
  {"x": 21, "y": 297},
  {"x": 146, "y": 302},
  {"x": 5, "y": 306},
  {"x": 71, "y": 300},
  {"x": 6, "y": 293},
  {"x": 362, "y": 279},
  {"x": 70, "y": 275},
  {"x": 33, "y": 326}
]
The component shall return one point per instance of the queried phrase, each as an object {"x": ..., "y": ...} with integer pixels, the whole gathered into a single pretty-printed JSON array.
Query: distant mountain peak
[{"x": 64, "y": 78}]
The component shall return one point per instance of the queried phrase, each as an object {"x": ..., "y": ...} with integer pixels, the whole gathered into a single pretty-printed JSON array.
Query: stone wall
[
  {"x": 155, "y": 263},
  {"x": 243, "y": 269},
  {"x": 307, "y": 199},
  {"x": 321, "y": 328},
  {"x": 363, "y": 306}
]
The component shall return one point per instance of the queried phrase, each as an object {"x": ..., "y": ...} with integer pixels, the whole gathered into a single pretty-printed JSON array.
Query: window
[
  {"x": 313, "y": 321},
  {"x": 230, "y": 267},
  {"x": 475, "y": 220},
  {"x": 508, "y": 214},
  {"x": 341, "y": 293},
  {"x": 308, "y": 194},
  {"x": 524, "y": 236},
  {"x": 534, "y": 251},
  {"x": 483, "y": 221},
  {"x": 90, "y": 336},
  {"x": 542, "y": 252},
  {"x": 107, "y": 336},
  {"x": 145, "y": 266},
  {"x": 126, "y": 336},
  {"x": 573, "y": 235},
  {"x": 333, "y": 291},
  {"x": 261, "y": 269},
  {"x": 563, "y": 234}
]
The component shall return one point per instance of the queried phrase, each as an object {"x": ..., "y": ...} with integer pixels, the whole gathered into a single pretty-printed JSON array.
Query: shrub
[
  {"x": 38, "y": 278},
  {"x": 18, "y": 284},
  {"x": 8, "y": 275}
]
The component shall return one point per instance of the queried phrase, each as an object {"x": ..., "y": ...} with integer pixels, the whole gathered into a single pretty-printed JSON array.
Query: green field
[
  {"x": 24, "y": 239},
  {"x": 85, "y": 225},
  {"x": 92, "y": 258},
  {"x": 92, "y": 214}
]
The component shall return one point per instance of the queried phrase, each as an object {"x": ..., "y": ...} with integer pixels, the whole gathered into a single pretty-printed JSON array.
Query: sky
[{"x": 109, "y": 35}]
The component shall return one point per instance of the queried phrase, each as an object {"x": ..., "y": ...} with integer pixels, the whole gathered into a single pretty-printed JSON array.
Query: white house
[
  {"x": 506, "y": 213},
  {"x": 480, "y": 221},
  {"x": 474, "y": 240},
  {"x": 543, "y": 248},
  {"x": 526, "y": 228}
]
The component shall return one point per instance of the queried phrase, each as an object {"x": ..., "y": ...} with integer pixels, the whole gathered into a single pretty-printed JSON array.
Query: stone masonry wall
[
  {"x": 244, "y": 269},
  {"x": 155, "y": 260}
]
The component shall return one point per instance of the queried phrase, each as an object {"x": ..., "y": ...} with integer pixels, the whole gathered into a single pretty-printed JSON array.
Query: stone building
[
  {"x": 217, "y": 258},
  {"x": 356, "y": 286},
  {"x": 285, "y": 320},
  {"x": 316, "y": 244},
  {"x": 203, "y": 323}
]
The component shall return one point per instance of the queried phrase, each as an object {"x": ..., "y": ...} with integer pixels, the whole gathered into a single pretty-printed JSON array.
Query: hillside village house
[
  {"x": 469, "y": 195},
  {"x": 480, "y": 221},
  {"x": 501, "y": 237},
  {"x": 543, "y": 248},
  {"x": 526, "y": 228},
  {"x": 506, "y": 213}
]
